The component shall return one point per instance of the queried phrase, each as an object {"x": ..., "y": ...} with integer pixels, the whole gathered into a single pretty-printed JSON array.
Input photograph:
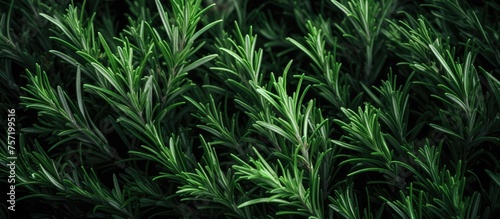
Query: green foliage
[
  {"x": 361, "y": 30},
  {"x": 233, "y": 109}
]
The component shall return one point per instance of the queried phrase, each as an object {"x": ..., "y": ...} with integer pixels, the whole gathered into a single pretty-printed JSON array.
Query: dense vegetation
[{"x": 238, "y": 109}]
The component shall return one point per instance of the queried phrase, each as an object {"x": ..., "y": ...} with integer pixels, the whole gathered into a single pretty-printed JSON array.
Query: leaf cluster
[{"x": 286, "y": 109}]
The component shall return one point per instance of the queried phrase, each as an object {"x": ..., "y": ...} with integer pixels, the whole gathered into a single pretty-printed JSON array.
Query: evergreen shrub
[{"x": 247, "y": 109}]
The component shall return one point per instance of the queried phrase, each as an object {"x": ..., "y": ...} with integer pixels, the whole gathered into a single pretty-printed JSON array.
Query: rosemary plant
[{"x": 239, "y": 109}]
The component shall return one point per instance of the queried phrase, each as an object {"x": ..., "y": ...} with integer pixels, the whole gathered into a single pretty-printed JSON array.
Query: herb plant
[{"x": 238, "y": 109}]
